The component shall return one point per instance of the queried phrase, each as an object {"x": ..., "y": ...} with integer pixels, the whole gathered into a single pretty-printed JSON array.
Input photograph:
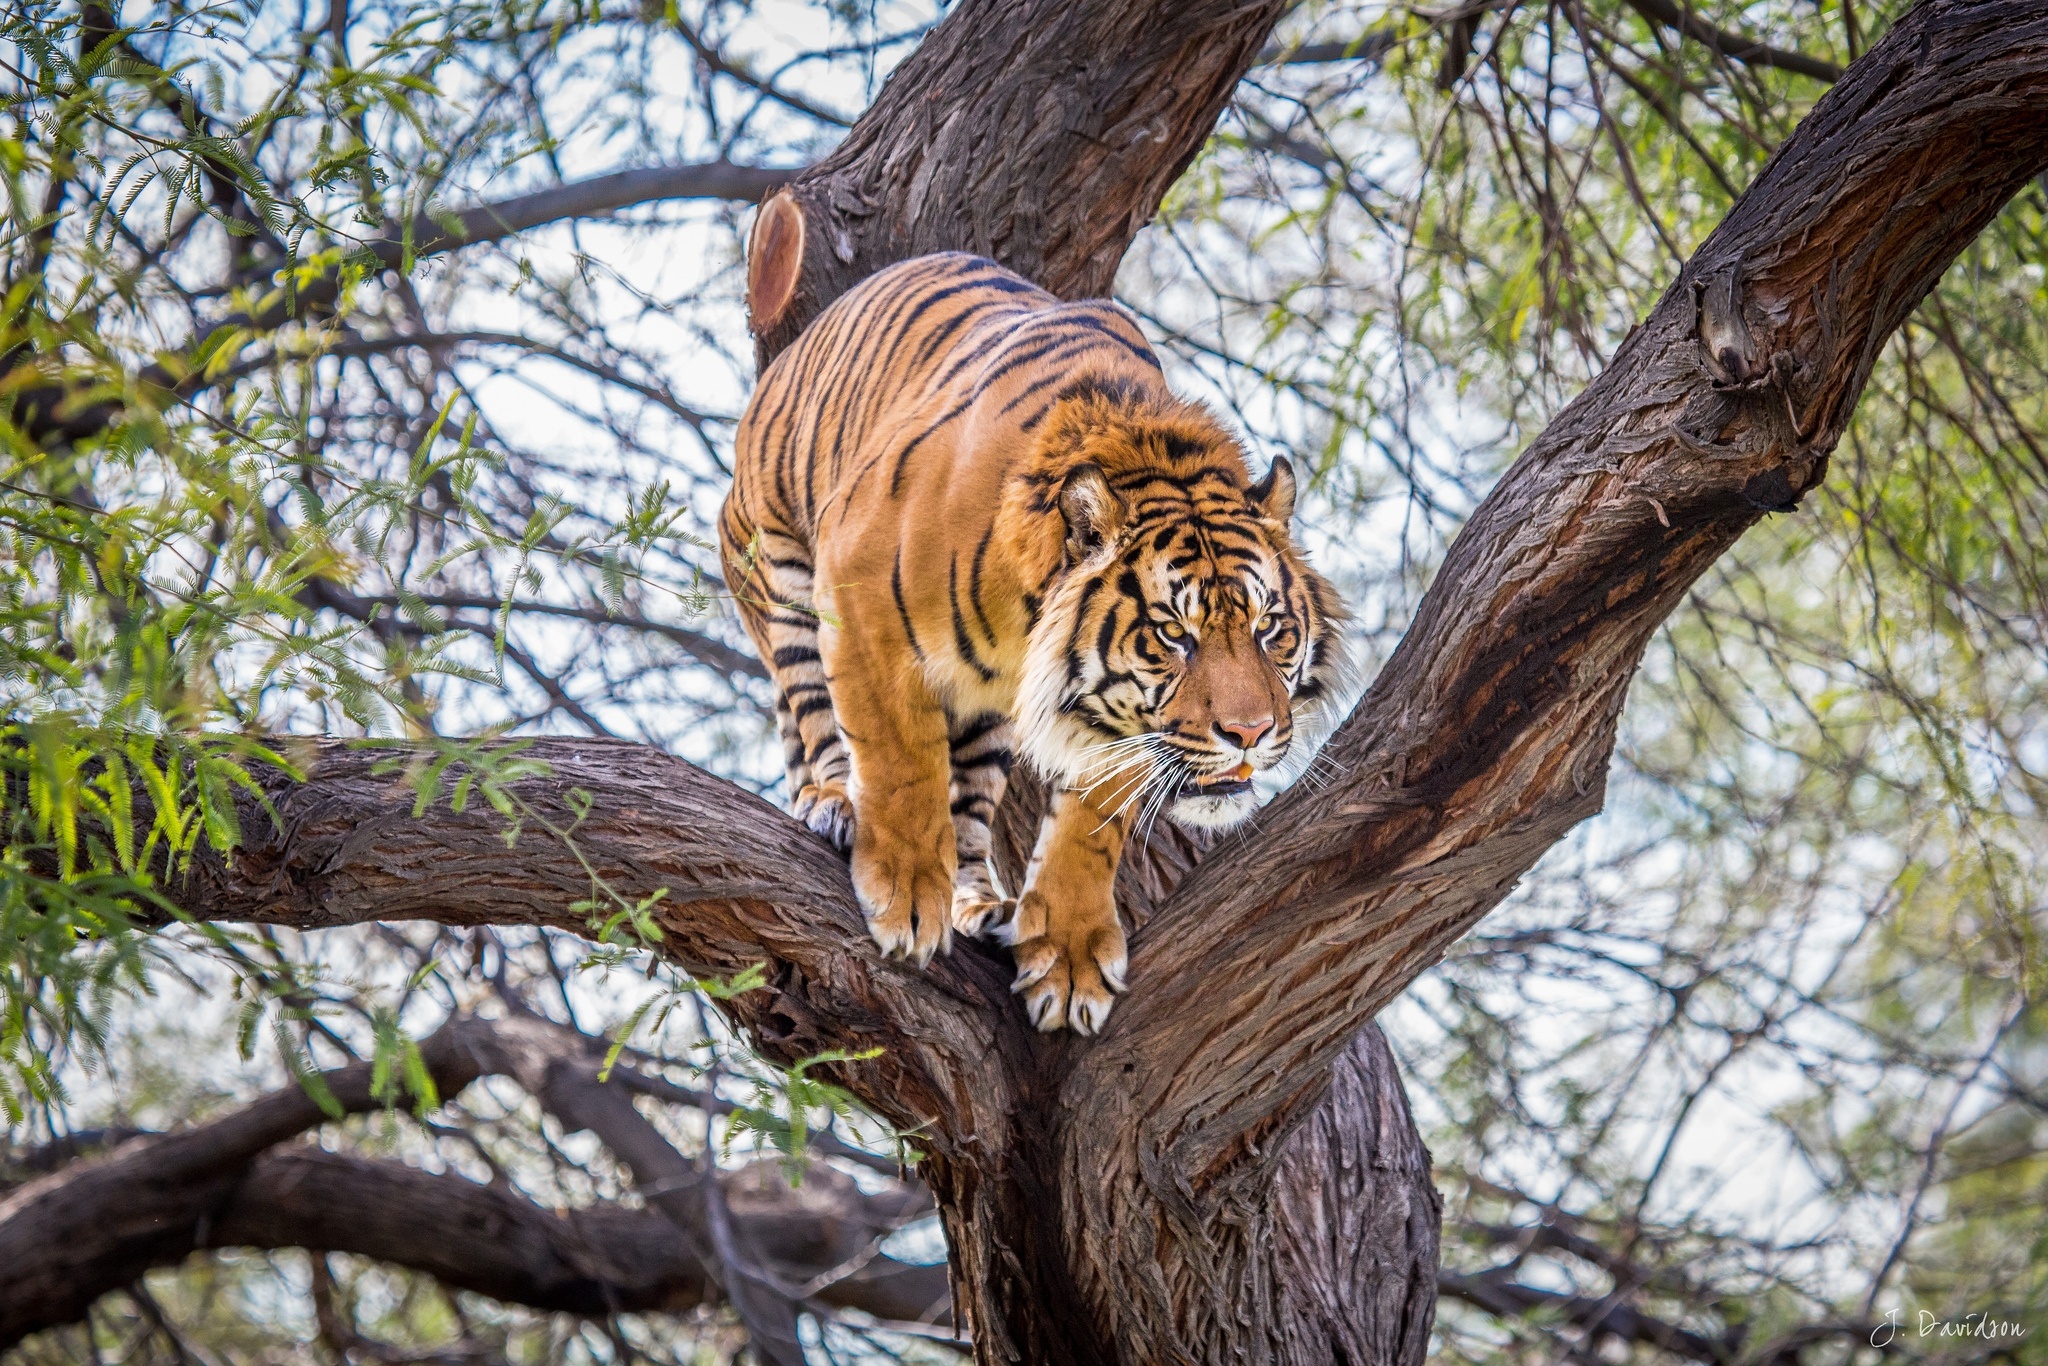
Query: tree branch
[
  {"x": 431, "y": 234},
  {"x": 1499, "y": 1293},
  {"x": 744, "y": 884},
  {"x": 94, "y": 1226},
  {"x": 67, "y": 1238},
  {"x": 1373, "y": 45},
  {"x": 1368, "y": 47},
  {"x": 715, "y": 654},
  {"x": 43, "y": 413},
  {"x": 1745, "y": 50}
]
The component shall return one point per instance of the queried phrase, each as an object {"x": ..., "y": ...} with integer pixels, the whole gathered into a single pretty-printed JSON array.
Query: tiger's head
[{"x": 1186, "y": 644}]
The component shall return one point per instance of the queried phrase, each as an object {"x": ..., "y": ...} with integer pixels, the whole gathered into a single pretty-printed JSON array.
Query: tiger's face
[{"x": 1187, "y": 646}]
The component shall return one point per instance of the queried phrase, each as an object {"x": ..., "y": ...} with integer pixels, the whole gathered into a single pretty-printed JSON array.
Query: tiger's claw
[
  {"x": 1071, "y": 986},
  {"x": 828, "y": 811},
  {"x": 976, "y": 914}
]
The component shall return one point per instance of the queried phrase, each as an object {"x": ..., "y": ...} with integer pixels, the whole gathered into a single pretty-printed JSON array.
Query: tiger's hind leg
[
  {"x": 813, "y": 750},
  {"x": 982, "y": 748}
]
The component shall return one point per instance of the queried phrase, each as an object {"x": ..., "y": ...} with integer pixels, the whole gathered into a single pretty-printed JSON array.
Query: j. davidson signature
[{"x": 1976, "y": 1325}]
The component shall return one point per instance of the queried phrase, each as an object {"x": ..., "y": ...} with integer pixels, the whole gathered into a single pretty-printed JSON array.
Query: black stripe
[
  {"x": 1105, "y": 637},
  {"x": 961, "y": 640},
  {"x": 953, "y": 324},
  {"x": 978, "y": 727},
  {"x": 1046, "y": 350},
  {"x": 903, "y": 611},
  {"x": 974, "y": 583},
  {"x": 903, "y": 314},
  {"x": 903, "y": 456}
]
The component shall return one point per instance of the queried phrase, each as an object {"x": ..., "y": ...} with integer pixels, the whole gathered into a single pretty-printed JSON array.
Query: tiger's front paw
[
  {"x": 908, "y": 903},
  {"x": 827, "y": 810},
  {"x": 1070, "y": 978}
]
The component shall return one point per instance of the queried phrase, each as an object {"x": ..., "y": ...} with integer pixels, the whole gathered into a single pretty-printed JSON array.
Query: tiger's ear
[
  {"x": 1273, "y": 496},
  {"x": 775, "y": 260},
  {"x": 1092, "y": 510}
]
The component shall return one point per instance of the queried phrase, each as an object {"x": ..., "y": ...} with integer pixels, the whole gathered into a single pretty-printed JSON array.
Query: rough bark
[
  {"x": 64, "y": 1236},
  {"x": 94, "y": 1225},
  {"x": 604, "y": 1260}
]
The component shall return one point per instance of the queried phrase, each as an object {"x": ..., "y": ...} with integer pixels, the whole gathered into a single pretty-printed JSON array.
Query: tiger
[{"x": 969, "y": 522}]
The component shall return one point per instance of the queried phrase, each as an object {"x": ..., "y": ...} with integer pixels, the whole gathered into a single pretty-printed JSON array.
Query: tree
[{"x": 1220, "y": 1157}]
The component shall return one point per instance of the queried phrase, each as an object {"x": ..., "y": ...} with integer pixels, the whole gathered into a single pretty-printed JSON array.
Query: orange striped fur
[{"x": 969, "y": 521}]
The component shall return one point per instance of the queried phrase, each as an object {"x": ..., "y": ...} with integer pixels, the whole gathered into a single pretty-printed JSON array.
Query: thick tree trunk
[
  {"x": 1229, "y": 1172},
  {"x": 1044, "y": 134}
]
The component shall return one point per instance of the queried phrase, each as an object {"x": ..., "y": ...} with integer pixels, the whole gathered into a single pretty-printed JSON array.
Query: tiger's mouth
[
  {"x": 1219, "y": 800},
  {"x": 1227, "y": 783}
]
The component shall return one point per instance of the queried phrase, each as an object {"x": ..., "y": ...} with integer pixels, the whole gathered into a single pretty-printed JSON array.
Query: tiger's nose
[{"x": 1245, "y": 733}]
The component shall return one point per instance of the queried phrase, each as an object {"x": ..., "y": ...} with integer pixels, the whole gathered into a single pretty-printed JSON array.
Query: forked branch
[{"x": 1489, "y": 732}]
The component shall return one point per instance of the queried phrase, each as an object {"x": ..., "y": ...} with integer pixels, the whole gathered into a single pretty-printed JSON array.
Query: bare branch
[
  {"x": 596, "y": 197},
  {"x": 93, "y": 1226},
  {"x": 726, "y": 659},
  {"x": 1596, "y": 1316},
  {"x": 1373, "y": 45},
  {"x": 67, "y": 1238},
  {"x": 45, "y": 415},
  {"x": 1367, "y": 48},
  {"x": 1745, "y": 50}
]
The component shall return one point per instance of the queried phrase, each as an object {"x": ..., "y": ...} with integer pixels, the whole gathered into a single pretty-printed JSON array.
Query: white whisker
[
  {"x": 1129, "y": 797},
  {"x": 1128, "y": 753},
  {"x": 1158, "y": 774},
  {"x": 1160, "y": 801}
]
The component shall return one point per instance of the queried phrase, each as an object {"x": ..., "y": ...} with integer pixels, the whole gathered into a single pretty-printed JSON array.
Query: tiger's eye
[{"x": 1173, "y": 630}]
